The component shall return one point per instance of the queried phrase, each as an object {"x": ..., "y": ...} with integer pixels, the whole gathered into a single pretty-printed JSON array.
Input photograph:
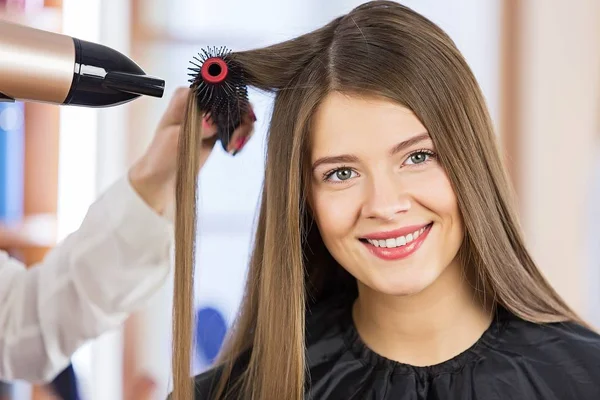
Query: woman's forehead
[{"x": 350, "y": 123}]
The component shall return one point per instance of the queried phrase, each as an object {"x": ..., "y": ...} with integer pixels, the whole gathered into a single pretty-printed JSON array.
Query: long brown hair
[{"x": 379, "y": 49}]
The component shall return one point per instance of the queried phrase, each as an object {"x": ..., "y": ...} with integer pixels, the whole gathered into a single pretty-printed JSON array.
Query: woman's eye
[
  {"x": 339, "y": 175},
  {"x": 419, "y": 157}
]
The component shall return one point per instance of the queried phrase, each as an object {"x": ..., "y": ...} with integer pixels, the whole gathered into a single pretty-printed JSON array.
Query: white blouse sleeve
[{"x": 85, "y": 286}]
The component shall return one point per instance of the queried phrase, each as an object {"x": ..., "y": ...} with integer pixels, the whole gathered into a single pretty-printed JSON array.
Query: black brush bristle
[{"x": 219, "y": 86}]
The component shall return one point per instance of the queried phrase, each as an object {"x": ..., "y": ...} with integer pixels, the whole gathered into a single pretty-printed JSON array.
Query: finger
[
  {"x": 251, "y": 114},
  {"x": 240, "y": 137},
  {"x": 243, "y": 133},
  {"x": 175, "y": 111},
  {"x": 209, "y": 129}
]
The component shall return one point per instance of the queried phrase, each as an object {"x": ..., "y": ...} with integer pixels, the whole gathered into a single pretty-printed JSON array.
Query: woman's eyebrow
[
  {"x": 350, "y": 158},
  {"x": 409, "y": 143}
]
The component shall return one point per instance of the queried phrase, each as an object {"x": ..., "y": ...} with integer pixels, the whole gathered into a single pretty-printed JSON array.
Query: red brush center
[{"x": 214, "y": 70}]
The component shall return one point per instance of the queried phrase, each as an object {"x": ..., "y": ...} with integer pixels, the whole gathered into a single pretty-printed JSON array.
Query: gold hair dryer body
[{"x": 41, "y": 66}]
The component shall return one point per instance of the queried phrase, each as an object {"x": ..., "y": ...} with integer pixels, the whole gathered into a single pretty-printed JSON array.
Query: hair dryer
[{"x": 41, "y": 66}]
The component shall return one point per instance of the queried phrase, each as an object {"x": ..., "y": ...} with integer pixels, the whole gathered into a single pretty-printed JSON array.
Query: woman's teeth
[{"x": 399, "y": 241}]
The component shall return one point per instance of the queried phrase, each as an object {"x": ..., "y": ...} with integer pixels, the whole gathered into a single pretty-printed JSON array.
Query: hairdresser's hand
[{"x": 153, "y": 175}]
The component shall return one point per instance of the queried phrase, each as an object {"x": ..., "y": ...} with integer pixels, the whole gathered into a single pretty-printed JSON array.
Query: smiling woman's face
[{"x": 384, "y": 205}]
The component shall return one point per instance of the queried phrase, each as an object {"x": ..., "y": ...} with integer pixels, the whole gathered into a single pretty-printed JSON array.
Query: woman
[{"x": 388, "y": 261}]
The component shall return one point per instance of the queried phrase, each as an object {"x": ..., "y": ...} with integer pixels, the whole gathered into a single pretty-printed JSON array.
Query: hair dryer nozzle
[
  {"x": 136, "y": 84},
  {"x": 105, "y": 77}
]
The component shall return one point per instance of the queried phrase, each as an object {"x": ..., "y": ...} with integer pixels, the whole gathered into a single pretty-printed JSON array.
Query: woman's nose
[{"x": 386, "y": 199}]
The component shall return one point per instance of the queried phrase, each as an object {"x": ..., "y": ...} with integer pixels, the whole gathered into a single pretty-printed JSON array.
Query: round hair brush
[{"x": 218, "y": 84}]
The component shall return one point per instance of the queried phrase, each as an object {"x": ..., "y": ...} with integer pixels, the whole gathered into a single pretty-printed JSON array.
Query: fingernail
[
  {"x": 241, "y": 142},
  {"x": 207, "y": 121}
]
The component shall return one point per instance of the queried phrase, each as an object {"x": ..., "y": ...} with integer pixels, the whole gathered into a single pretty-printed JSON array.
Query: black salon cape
[{"x": 513, "y": 360}]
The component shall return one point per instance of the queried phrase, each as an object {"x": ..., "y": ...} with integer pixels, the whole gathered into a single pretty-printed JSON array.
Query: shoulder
[
  {"x": 207, "y": 383},
  {"x": 565, "y": 355},
  {"x": 562, "y": 337}
]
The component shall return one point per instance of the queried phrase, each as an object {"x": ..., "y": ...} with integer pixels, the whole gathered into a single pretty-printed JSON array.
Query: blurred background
[{"x": 537, "y": 62}]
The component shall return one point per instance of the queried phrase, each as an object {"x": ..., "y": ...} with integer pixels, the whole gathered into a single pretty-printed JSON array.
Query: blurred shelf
[
  {"x": 47, "y": 18},
  {"x": 36, "y": 231}
]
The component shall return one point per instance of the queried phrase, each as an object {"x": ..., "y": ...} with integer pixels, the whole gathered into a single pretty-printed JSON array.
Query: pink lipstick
[{"x": 397, "y": 244}]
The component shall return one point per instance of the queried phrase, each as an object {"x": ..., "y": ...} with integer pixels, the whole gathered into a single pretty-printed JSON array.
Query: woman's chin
[
  {"x": 401, "y": 285},
  {"x": 400, "y": 290}
]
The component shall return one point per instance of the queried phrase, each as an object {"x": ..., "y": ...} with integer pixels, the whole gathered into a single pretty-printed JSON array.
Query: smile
[
  {"x": 399, "y": 241},
  {"x": 397, "y": 247}
]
